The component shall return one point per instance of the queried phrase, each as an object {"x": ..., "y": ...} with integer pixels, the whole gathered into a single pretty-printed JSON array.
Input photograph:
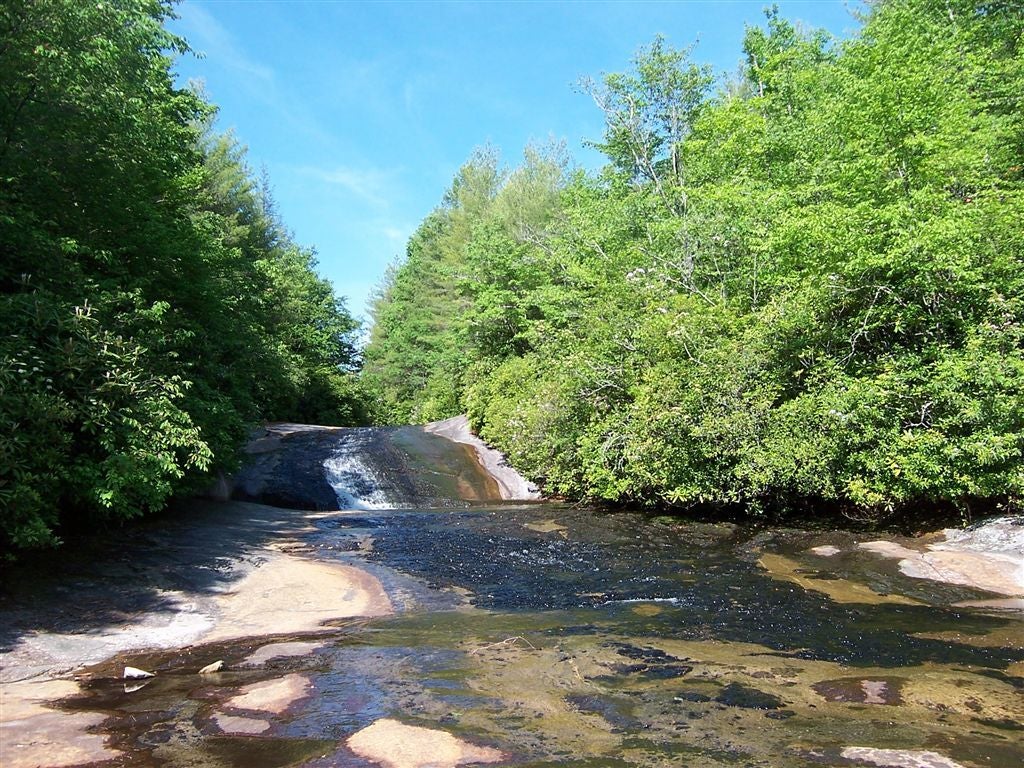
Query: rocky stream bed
[{"x": 399, "y": 598}]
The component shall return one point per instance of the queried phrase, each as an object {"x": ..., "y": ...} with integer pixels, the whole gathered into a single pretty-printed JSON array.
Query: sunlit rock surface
[
  {"x": 989, "y": 556},
  {"x": 511, "y": 485},
  {"x": 274, "y": 696},
  {"x": 32, "y": 734},
  {"x": 898, "y": 758},
  {"x": 395, "y": 745}
]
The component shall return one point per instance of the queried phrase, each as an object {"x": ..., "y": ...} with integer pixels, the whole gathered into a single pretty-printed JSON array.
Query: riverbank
[{"x": 218, "y": 572}]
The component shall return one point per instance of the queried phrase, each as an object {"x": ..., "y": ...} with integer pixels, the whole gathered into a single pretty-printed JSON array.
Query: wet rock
[
  {"x": 860, "y": 691},
  {"x": 616, "y": 712},
  {"x": 647, "y": 609},
  {"x": 898, "y": 758},
  {"x": 243, "y": 726},
  {"x": 736, "y": 695},
  {"x": 285, "y": 468},
  {"x": 209, "y": 669},
  {"x": 510, "y": 483},
  {"x": 667, "y": 672},
  {"x": 273, "y": 696},
  {"x": 134, "y": 673},
  {"x": 988, "y": 556},
  {"x": 654, "y": 664},
  {"x": 648, "y": 655},
  {"x": 838, "y": 590},
  {"x": 280, "y": 651},
  {"x": 825, "y": 551},
  {"x": 547, "y": 526},
  {"x": 395, "y": 745}
]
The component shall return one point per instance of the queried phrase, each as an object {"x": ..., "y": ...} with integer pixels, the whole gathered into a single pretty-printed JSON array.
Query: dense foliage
[
  {"x": 151, "y": 303},
  {"x": 803, "y": 285}
]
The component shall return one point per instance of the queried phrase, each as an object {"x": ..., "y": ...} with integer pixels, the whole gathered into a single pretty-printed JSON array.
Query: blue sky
[{"x": 363, "y": 112}]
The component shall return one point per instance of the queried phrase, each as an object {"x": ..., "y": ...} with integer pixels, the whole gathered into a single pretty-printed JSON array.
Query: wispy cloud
[
  {"x": 372, "y": 185},
  {"x": 395, "y": 235},
  {"x": 209, "y": 37},
  {"x": 211, "y": 40}
]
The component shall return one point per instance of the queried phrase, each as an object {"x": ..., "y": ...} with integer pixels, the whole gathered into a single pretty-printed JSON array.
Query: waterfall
[{"x": 350, "y": 471}]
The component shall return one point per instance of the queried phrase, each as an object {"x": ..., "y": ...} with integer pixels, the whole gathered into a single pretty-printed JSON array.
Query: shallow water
[
  {"x": 567, "y": 636},
  {"x": 606, "y": 640}
]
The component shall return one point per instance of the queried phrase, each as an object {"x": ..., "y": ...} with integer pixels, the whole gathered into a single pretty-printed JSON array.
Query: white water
[
  {"x": 1003, "y": 535},
  {"x": 357, "y": 484}
]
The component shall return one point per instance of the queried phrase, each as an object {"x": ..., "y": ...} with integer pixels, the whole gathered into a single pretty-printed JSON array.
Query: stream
[{"x": 524, "y": 633}]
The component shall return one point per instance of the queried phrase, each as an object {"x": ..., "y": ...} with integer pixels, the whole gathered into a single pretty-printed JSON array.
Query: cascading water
[
  {"x": 436, "y": 466},
  {"x": 350, "y": 471}
]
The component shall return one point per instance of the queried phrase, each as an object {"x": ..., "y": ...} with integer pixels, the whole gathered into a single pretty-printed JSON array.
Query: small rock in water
[
  {"x": 736, "y": 695},
  {"x": 245, "y": 726},
  {"x": 209, "y": 669},
  {"x": 134, "y": 673},
  {"x": 898, "y": 758},
  {"x": 273, "y": 696},
  {"x": 855, "y": 690},
  {"x": 826, "y": 551}
]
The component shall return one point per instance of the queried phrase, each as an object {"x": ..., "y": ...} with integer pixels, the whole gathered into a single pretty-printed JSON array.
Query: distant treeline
[
  {"x": 798, "y": 287},
  {"x": 152, "y": 305}
]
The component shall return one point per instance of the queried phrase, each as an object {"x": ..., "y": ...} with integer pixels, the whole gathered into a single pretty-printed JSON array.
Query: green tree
[
  {"x": 799, "y": 292},
  {"x": 151, "y": 306}
]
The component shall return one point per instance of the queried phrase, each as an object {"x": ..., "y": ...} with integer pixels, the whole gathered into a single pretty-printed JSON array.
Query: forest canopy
[
  {"x": 152, "y": 304},
  {"x": 803, "y": 285}
]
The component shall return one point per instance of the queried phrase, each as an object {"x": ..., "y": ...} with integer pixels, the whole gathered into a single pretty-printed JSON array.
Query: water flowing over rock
[
  {"x": 358, "y": 473},
  {"x": 988, "y": 556},
  {"x": 441, "y": 464},
  {"x": 511, "y": 485},
  {"x": 430, "y": 622},
  {"x": 296, "y": 466}
]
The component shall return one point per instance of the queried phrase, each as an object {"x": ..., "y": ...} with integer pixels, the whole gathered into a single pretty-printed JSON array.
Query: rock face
[
  {"x": 989, "y": 556},
  {"x": 395, "y": 745},
  {"x": 291, "y": 594},
  {"x": 285, "y": 467},
  {"x": 512, "y": 485}
]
